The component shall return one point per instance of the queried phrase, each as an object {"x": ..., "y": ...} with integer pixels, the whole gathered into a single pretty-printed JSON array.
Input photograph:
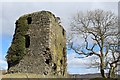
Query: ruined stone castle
[{"x": 38, "y": 45}]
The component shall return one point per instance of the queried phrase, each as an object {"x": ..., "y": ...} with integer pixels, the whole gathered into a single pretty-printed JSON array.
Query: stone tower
[{"x": 38, "y": 45}]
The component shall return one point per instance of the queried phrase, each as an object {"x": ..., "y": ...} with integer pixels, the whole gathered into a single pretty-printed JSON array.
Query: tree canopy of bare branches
[{"x": 98, "y": 29}]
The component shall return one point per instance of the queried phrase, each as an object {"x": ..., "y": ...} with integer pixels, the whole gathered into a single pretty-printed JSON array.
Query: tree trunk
[
  {"x": 102, "y": 68},
  {"x": 111, "y": 73},
  {"x": 102, "y": 73}
]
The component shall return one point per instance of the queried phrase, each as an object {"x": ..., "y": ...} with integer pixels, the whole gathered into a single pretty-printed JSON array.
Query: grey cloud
[{"x": 12, "y": 10}]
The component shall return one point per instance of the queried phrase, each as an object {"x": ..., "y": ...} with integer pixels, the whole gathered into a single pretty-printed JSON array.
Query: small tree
[{"x": 98, "y": 29}]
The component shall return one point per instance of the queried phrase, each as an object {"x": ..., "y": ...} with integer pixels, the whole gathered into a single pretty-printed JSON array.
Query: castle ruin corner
[{"x": 38, "y": 45}]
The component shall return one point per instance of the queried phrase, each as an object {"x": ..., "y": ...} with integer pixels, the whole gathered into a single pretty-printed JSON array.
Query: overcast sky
[{"x": 65, "y": 10}]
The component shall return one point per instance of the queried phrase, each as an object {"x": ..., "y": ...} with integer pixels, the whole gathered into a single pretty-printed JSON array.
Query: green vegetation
[
  {"x": 105, "y": 79},
  {"x": 48, "y": 13},
  {"x": 29, "y": 75},
  {"x": 17, "y": 48}
]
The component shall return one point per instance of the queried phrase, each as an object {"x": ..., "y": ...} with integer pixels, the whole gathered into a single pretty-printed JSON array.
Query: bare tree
[{"x": 98, "y": 29}]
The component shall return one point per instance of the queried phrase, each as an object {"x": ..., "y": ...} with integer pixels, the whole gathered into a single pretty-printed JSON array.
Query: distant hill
[
  {"x": 85, "y": 75},
  {"x": 96, "y": 75},
  {"x": 3, "y": 71}
]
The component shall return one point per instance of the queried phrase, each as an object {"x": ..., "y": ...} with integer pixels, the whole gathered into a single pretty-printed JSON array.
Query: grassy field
[{"x": 29, "y": 75}]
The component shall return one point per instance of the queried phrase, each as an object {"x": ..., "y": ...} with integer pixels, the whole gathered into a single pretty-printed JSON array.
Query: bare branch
[{"x": 100, "y": 26}]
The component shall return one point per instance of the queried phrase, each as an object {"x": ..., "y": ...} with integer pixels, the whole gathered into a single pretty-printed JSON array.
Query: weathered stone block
[{"x": 38, "y": 46}]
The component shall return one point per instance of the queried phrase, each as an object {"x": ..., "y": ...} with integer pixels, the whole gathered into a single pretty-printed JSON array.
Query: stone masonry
[{"x": 38, "y": 45}]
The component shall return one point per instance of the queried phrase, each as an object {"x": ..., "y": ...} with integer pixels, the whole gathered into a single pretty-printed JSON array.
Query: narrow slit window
[
  {"x": 64, "y": 51},
  {"x": 29, "y": 20},
  {"x": 61, "y": 61},
  {"x": 63, "y": 32},
  {"x": 27, "y": 41}
]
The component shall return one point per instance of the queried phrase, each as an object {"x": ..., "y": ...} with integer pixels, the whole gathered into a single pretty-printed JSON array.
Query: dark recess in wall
[
  {"x": 27, "y": 41},
  {"x": 29, "y": 20}
]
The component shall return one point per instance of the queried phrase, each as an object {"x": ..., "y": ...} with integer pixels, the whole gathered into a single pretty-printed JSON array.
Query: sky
[{"x": 11, "y": 11}]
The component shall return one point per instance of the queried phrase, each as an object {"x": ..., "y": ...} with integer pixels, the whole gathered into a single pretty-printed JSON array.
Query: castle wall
[
  {"x": 38, "y": 45},
  {"x": 57, "y": 43}
]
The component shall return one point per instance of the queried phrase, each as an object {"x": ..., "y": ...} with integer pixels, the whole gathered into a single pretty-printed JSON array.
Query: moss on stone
[
  {"x": 44, "y": 37},
  {"x": 17, "y": 48}
]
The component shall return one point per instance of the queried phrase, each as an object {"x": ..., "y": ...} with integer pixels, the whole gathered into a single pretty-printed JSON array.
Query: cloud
[
  {"x": 79, "y": 62},
  {"x": 63, "y": 10},
  {"x": 2, "y": 62},
  {"x": 3, "y": 65},
  {"x": 59, "y": 1},
  {"x": 80, "y": 65}
]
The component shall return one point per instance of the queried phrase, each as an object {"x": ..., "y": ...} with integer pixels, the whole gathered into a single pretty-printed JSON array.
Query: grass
[
  {"x": 105, "y": 79},
  {"x": 20, "y": 76},
  {"x": 29, "y": 75}
]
